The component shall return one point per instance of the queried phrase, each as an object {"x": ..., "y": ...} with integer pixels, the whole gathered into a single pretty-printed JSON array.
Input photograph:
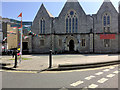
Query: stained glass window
[
  {"x": 106, "y": 22},
  {"x": 71, "y": 22},
  {"x": 76, "y": 25},
  {"x": 67, "y": 25},
  {"x": 42, "y": 26},
  {"x": 70, "y": 25}
]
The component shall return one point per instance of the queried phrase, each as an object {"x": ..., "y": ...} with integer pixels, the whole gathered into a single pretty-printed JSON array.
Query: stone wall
[{"x": 89, "y": 28}]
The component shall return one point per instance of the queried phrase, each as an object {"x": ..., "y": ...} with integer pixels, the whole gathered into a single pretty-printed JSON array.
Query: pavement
[{"x": 41, "y": 62}]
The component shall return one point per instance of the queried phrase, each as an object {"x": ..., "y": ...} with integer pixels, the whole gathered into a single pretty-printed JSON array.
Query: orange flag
[{"x": 20, "y": 15}]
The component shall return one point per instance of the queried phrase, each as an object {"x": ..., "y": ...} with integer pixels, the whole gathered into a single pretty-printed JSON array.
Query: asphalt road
[{"x": 105, "y": 77}]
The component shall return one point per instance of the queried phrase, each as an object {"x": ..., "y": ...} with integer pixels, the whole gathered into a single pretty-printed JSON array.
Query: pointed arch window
[
  {"x": 66, "y": 25},
  {"x": 71, "y": 22},
  {"x": 106, "y": 22},
  {"x": 42, "y": 26}
]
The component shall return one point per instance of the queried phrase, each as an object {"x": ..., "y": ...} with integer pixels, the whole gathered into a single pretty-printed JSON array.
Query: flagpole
[{"x": 21, "y": 42}]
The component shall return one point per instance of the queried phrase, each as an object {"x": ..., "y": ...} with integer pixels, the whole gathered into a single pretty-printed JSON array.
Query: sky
[{"x": 11, "y": 9}]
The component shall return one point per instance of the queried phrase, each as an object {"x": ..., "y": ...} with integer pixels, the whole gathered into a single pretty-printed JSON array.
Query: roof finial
[
  {"x": 107, "y": 1},
  {"x": 72, "y": 0}
]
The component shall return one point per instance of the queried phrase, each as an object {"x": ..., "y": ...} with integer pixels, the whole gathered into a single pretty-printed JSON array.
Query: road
[{"x": 104, "y": 77}]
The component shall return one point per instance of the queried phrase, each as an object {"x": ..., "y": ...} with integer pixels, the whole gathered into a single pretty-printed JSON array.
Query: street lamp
[{"x": 92, "y": 32}]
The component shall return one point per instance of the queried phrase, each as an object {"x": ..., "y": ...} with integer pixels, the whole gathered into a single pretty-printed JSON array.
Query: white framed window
[
  {"x": 83, "y": 42},
  {"x": 41, "y": 42},
  {"x": 106, "y": 42},
  {"x": 60, "y": 42}
]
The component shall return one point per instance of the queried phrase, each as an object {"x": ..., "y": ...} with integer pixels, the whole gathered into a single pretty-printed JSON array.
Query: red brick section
[{"x": 107, "y": 36}]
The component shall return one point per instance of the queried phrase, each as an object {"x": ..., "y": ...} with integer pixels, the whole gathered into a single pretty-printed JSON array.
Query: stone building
[
  {"x": 11, "y": 31},
  {"x": 1, "y": 35},
  {"x": 75, "y": 31}
]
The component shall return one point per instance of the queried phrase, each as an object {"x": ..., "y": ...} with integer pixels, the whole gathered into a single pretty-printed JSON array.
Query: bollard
[
  {"x": 50, "y": 59},
  {"x": 15, "y": 59}
]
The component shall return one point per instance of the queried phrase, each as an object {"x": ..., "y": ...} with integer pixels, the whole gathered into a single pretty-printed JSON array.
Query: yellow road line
[
  {"x": 19, "y": 71},
  {"x": 91, "y": 69}
]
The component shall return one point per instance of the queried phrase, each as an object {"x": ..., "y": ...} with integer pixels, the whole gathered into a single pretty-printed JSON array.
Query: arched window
[
  {"x": 42, "y": 26},
  {"x": 106, "y": 22},
  {"x": 66, "y": 25},
  {"x": 71, "y": 22}
]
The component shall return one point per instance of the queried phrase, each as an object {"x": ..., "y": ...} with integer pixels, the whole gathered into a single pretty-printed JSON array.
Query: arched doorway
[{"x": 71, "y": 45}]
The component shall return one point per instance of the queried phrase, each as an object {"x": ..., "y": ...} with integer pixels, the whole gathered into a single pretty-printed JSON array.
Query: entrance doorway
[
  {"x": 71, "y": 45},
  {"x": 25, "y": 47}
]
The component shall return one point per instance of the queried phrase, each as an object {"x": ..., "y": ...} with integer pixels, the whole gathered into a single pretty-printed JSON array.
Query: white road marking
[
  {"x": 90, "y": 77},
  {"x": 110, "y": 75},
  {"x": 112, "y": 67},
  {"x": 102, "y": 80},
  {"x": 76, "y": 83},
  {"x": 116, "y": 72},
  {"x": 93, "y": 86},
  {"x": 106, "y": 70},
  {"x": 85, "y": 88},
  {"x": 99, "y": 73}
]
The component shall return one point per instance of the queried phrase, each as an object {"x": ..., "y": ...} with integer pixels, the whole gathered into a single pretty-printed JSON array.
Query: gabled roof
[
  {"x": 107, "y": 2},
  {"x": 72, "y": 0},
  {"x": 42, "y": 6},
  {"x": 74, "y": 3},
  {"x": 49, "y": 13}
]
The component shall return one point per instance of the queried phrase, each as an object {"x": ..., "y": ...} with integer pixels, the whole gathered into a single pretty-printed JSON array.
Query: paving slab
[{"x": 41, "y": 62}]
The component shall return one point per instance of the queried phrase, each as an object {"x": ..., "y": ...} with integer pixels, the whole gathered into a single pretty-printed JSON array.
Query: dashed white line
[
  {"x": 76, "y": 83},
  {"x": 106, "y": 70},
  {"x": 102, "y": 80},
  {"x": 99, "y": 73},
  {"x": 90, "y": 77},
  {"x": 116, "y": 72},
  {"x": 110, "y": 75},
  {"x": 1, "y": 70},
  {"x": 93, "y": 86},
  {"x": 85, "y": 88},
  {"x": 111, "y": 67}
]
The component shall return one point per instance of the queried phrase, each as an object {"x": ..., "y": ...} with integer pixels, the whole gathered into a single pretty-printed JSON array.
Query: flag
[
  {"x": 20, "y": 15},
  {"x": 8, "y": 35},
  {"x": 11, "y": 31},
  {"x": 18, "y": 54},
  {"x": 14, "y": 27},
  {"x": 19, "y": 49},
  {"x": 19, "y": 28}
]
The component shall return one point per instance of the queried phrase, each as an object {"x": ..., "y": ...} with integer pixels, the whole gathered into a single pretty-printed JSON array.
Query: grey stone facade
[
  {"x": 86, "y": 38},
  {"x": 1, "y": 35}
]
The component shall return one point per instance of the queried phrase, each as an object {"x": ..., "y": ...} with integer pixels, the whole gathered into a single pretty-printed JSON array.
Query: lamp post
[{"x": 92, "y": 31}]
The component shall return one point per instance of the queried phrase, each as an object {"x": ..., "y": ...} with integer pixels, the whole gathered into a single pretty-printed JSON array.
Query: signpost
[{"x": 107, "y": 36}]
